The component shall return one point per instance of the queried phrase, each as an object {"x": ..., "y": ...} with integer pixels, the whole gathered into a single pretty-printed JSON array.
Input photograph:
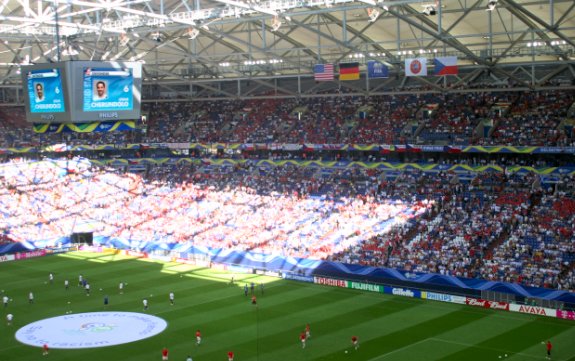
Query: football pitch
[{"x": 389, "y": 328}]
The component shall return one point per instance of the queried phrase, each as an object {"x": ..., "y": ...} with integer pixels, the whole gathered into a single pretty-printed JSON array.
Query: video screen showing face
[
  {"x": 45, "y": 91},
  {"x": 108, "y": 89}
]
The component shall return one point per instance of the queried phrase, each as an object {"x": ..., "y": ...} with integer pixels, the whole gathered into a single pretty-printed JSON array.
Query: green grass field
[{"x": 389, "y": 328}]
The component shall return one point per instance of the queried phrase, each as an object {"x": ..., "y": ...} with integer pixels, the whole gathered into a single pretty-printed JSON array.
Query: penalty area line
[
  {"x": 381, "y": 357},
  {"x": 434, "y": 339},
  {"x": 511, "y": 353}
]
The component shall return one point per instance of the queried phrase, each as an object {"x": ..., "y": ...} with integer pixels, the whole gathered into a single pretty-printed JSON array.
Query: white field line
[
  {"x": 433, "y": 339},
  {"x": 380, "y": 357},
  {"x": 495, "y": 349}
]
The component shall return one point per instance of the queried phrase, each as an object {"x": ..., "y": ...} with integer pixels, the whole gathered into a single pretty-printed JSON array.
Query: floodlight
[
  {"x": 491, "y": 5},
  {"x": 429, "y": 10}
]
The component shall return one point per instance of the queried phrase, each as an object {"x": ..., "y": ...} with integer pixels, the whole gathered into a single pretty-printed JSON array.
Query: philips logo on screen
[{"x": 108, "y": 115}]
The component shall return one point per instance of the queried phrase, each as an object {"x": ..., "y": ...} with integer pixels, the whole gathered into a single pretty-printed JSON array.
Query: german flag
[{"x": 348, "y": 71}]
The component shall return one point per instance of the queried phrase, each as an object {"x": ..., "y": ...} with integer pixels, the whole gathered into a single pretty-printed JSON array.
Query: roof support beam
[
  {"x": 286, "y": 36},
  {"x": 511, "y": 46},
  {"x": 521, "y": 12},
  {"x": 550, "y": 75},
  {"x": 320, "y": 35},
  {"x": 249, "y": 7},
  {"x": 525, "y": 16},
  {"x": 450, "y": 41},
  {"x": 360, "y": 34},
  {"x": 240, "y": 41},
  {"x": 456, "y": 22},
  {"x": 565, "y": 14}
]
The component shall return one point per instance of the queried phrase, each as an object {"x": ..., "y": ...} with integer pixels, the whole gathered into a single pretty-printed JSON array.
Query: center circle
[{"x": 92, "y": 329}]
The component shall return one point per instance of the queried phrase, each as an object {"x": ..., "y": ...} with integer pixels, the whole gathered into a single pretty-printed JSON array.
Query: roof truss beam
[
  {"x": 449, "y": 40},
  {"x": 526, "y": 17},
  {"x": 521, "y": 12}
]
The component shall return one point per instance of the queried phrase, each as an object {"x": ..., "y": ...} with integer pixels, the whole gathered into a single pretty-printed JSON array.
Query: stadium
[{"x": 316, "y": 180}]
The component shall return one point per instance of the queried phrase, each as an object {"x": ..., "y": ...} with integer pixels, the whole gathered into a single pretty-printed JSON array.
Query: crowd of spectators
[
  {"x": 482, "y": 118},
  {"x": 515, "y": 227},
  {"x": 261, "y": 210},
  {"x": 496, "y": 226},
  {"x": 533, "y": 119},
  {"x": 455, "y": 117}
]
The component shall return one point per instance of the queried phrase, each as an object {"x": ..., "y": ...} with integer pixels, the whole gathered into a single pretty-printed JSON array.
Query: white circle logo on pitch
[{"x": 94, "y": 329}]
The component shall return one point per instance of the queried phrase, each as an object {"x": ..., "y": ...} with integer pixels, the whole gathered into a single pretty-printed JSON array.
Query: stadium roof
[{"x": 219, "y": 46}]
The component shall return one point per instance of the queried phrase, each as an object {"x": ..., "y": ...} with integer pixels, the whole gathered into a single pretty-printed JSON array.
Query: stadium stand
[{"x": 488, "y": 220}]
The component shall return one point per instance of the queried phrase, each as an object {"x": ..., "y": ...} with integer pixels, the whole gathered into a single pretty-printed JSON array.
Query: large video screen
[
  {"x": 105, "y": 91},
  {"x": 82, "y": 91},
  {"x": 46, "y": 93},
  {"x": 108, "y": 89}
]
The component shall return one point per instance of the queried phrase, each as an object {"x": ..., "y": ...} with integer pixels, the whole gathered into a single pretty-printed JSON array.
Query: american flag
[{"x": 323, "y": 72}]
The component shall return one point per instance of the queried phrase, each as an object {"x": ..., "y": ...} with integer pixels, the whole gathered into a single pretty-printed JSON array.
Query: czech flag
[{"x": 446, "y": 66}]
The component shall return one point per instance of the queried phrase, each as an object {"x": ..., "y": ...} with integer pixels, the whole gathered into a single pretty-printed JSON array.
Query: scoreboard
[{"x": 82, "y": 91}]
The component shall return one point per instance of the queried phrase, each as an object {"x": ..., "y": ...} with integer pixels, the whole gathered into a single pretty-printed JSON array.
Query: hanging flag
[
  {"x": 323, "y": 72},
  {"x": 416, "y": 67},
  {"x": 452, "y": 149},
  {"x": 413, "y": 149},
  {"x": 348, "y": 71},
  {"x": 376, "y": 69},
  {"x": 446, "y": 65}
]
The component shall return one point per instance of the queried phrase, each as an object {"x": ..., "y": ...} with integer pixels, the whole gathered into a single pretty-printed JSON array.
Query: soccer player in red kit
[
  {"x": 45, "y": 350},
  {"x": 355, "y": 342},
  {"x": 549, "y": 346},
  {"x": 303, "y": 339},
  {"x": 230, "y": 356},
  {"x": 198, "y": 337},
  {"x": 164, "y": 353},
  {"x": 254, "y": 302},
  {"x": 307, "y": 331}
]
